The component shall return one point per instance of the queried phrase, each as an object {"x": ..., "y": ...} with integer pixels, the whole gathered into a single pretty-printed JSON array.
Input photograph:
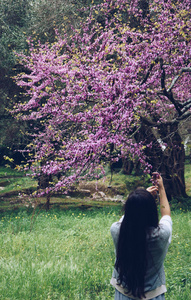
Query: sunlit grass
[
  {"x": 18, "y": 184},
  {"x": 188, "y": 178},
  {"x": 13, "y": 181},
  {"x": 69, "y": 254},
  {"x": 178, "y": 262},
  {"x": 7, "y": 171}
]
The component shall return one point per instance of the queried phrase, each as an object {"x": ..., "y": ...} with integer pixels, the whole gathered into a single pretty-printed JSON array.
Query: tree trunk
[
  {"x": 166, "y": 159},
  {"x": 174, "y": 160},
  {"x": 127, "y": 166},
  {"x": 48, "y": 201},
  {"x": 43, "y": 183}
]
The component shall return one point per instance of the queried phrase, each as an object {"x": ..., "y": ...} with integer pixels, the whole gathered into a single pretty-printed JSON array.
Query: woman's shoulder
[
  {"x": 116, "y": 226},
  {"x": 164, "y": 230},
  {"x": 165, "y": 226},
  {"x": 166, "y": 220}
]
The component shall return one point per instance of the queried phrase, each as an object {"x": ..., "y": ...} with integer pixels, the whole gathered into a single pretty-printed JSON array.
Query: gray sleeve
[
  {"x": 115, "y": 228},
  {"x": 166, "y": 223}
]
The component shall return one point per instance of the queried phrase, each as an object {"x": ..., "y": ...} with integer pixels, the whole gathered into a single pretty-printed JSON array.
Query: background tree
[
  {"x": 13, "y": 22},
  {"x": 19, "y": 19},
  {"x": 118, "y": 87}
]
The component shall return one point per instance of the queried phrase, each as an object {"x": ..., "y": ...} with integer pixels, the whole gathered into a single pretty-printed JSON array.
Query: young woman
[{"x": 141, "y": 244}]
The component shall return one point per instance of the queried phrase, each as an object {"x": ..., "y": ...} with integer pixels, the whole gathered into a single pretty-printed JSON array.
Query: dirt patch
[{"x": 93, "y": 188}]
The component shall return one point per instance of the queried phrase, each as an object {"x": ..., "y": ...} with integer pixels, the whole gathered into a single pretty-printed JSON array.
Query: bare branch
[
  {"x": 163, "y": 91},
  {"x": 186, "y": 106},
  {"x": 177, "y": 120},
  {"x": 133, "y": 134},
  {"x": 169, "y": 94},
  {"x": 184, "y": 116},
  {"x": 177, "y": 77}
]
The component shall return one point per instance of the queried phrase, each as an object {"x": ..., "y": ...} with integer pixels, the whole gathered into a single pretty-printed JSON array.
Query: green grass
[
  {"x": 14, "y": 181},
  {"x": 5, "y": 171},
  {"x": 14, "y": 185},
  {"x": 69, "y": 254},
  {"x": 178, "y": 261},
  {"x": 188, "y": 178}
]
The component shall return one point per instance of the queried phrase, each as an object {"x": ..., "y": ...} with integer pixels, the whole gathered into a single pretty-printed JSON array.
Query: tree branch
[
  {"x": 177, "y": 77},
  {"x": 163, "y": 75},
  {"x": 186, "y": 106},
  {"x": 184, "y": 116},
  {"x": 181, "y": 108},
  {"x": 169, "y": 94},
  {"x": 150, "y": 69},
  {"x": 151, "y": 123}
]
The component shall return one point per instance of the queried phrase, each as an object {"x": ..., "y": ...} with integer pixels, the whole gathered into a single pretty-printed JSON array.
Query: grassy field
[{"x": 68, "y": 254}]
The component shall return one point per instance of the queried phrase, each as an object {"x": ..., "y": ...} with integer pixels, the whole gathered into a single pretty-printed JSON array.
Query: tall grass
[{"x": 69, "y": 254}]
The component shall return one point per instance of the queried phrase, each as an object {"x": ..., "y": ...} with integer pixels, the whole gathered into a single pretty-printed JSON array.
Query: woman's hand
[
  {"x": 153, "y": 190},
  {"x": 157, "y": 180}
]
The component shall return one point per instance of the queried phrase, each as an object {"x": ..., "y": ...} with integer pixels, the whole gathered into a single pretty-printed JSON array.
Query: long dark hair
[{"x": 131, "y": 262}]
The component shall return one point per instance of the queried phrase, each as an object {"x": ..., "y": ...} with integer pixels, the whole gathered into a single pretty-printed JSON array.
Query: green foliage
[
  {"x": 124, "y": 184},
  {"x": 183, "y": 204},
  {"x": 69, "y": 254},
  {"x": 15, "y": 12},
  {"x": 13, "y": 21}
]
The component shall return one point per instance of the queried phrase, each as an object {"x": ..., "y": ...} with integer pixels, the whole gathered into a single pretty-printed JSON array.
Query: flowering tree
[{"x": 118, "y": 87}]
